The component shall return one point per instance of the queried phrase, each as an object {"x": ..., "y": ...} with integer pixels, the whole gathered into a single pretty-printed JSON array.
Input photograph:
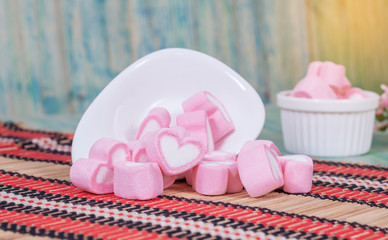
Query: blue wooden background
[{"x": 56, "y": 55}]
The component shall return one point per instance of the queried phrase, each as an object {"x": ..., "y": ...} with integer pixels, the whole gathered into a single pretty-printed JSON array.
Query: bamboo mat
[{"x": 37, "y": 199}]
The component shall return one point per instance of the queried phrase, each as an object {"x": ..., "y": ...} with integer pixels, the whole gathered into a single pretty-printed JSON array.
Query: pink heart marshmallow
[
  {"x": 156, "y": 119},
  {"x": 298, "y": 173},
  {"x": 110, "y": 151},
  {"x": 259, "y": 169},
  {"x": 137, "y": 180},
  {"x": 174, "y": 154}
]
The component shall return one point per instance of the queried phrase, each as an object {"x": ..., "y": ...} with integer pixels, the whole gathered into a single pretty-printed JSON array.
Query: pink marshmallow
[
  {"x": 220, "y": 156},
  {"x": 234, "y": 181},
  {"x": 92, "y": 175},
  {"x": 314, "y": 69},
  {"x": 135, "y": 180},
  {"x": 139, "y": 154},
  {"x": 138, "y": 151},
  {"x": 181, "y": 131},
  {"x": 220, "y": 122},
  {"x": 156, "y": 119},
  {"x": 229, "y": 159},
  {"x": 259, "y": 169},
  {"x": 220, "y": 126},
  {"x": 272, "y": 147},
  {"x": 110, "y": 151},
  {"x": 180, "y": 176},
  {"x": 168, "y": 180},
  {"x": 197, "y": 124},
  {"x": 298, "y": 173},
  {"x": 334, "y": 75},
  {"x": 210, "y": 178},
  {"x": 174, "y": 154},
  {"x": 189, "y": 177},
  {"x": 355, "y": 93},
  {"x": 313, "y": 87}
]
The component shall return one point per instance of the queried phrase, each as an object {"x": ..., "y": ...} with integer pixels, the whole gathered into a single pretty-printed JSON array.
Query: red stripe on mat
[
  {"x": 75, "y": 226},
  {"x": 362, "y": 171},
  {"x": 350, "y": 194},
  {"x": 239, "y": 214},
  {"x": 17, "y": 151}
]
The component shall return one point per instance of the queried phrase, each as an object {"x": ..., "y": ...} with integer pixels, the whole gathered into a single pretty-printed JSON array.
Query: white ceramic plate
[{"x": 166, "y": 78}]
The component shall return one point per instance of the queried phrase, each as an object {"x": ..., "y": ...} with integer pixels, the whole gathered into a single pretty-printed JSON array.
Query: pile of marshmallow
[
  {"x": 326, "y": 80},
  {"x": 160, "y": 154}
]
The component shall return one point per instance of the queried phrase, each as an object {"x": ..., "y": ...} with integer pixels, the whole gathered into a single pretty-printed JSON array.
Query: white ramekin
[{"x": 331, "y": 128}]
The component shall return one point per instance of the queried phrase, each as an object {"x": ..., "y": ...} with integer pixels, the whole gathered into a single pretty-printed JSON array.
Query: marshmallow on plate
[
  {"x": 197, "y": 124},
  {"x": 156, "y": 119},
  {"x": 138, "y": 151},
  {"x": 137, "y": 180},
  {"x": 298, "y": 173},
  {"x": 220, "y": 122},
  {"x": 259, "y": 168},
  {"x": 174, "y": 154}
]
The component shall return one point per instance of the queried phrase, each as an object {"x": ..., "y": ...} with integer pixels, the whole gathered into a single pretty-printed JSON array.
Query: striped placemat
[{"x": 347, "y": 201}]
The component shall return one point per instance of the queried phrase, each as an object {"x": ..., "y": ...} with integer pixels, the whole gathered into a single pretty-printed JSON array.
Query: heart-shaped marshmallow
[
  {"x": 156, "y": 119},
  {"x": 174, "y": 154},
  {"x": 220, "y": 122},
  {"x": 110, "y": 151},
  {"x": 92, "y": 175}
]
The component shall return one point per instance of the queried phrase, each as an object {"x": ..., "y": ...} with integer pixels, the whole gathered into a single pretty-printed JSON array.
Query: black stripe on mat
[
  {"x": 129, "y": 207},
  {"x": 34, "y": 231}
]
